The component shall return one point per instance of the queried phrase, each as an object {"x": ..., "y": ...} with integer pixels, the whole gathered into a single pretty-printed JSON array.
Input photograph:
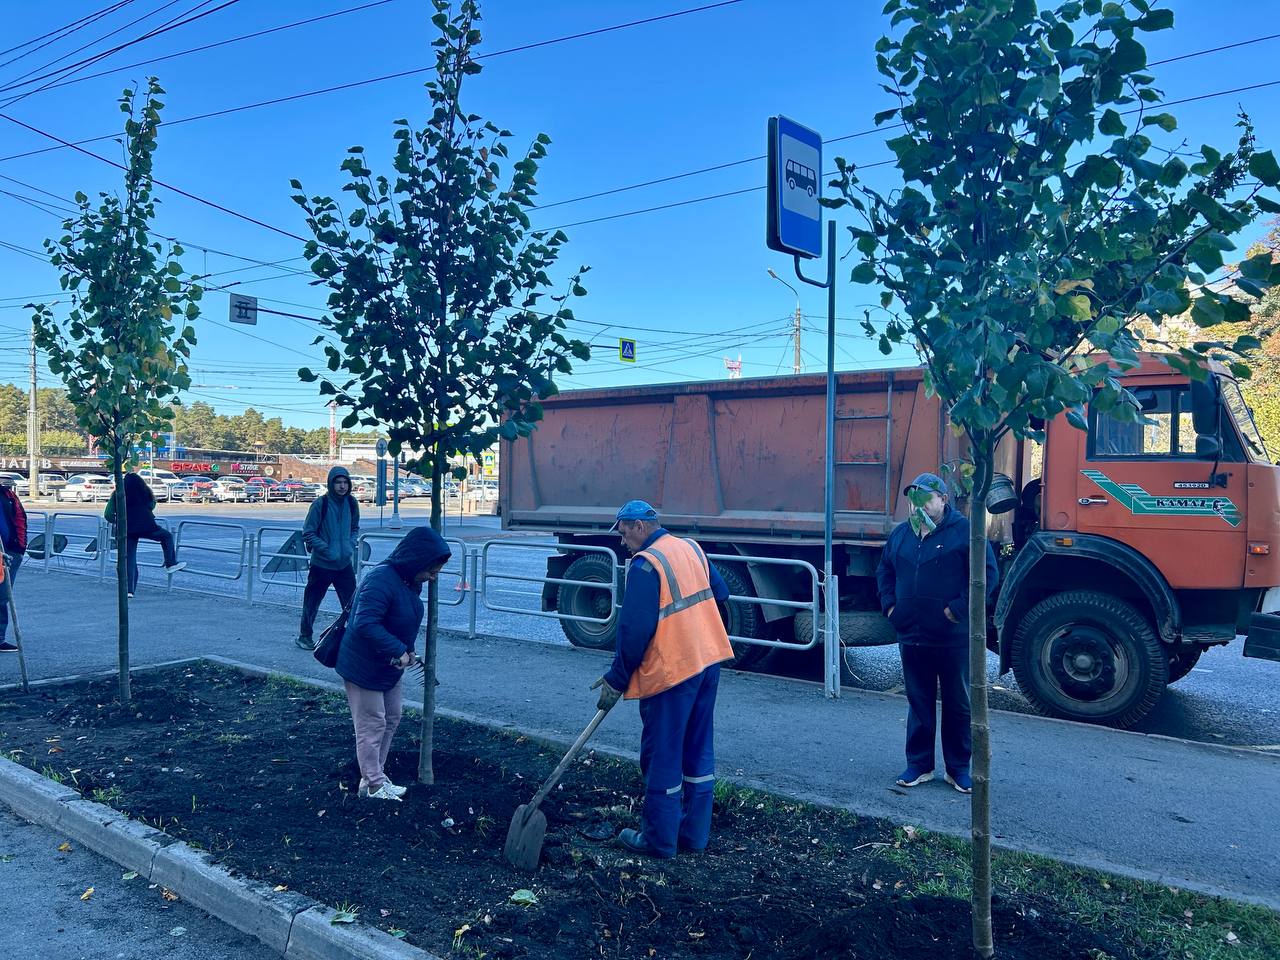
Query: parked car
[
  {"x": 267, "y": 488},
  {"x": 172, "y": 485},
  {"x": 228, "y": 490},
  {"x": 88, "y": 487},
  {"x": 201, "y": 488},
  {"x": 313, "y": 490},
  {"x": 412, "y": 486},
  {"x": 363, "y": 490},
  {"x": 295, "y": 490},
  {"x": 15, "y": 480}
]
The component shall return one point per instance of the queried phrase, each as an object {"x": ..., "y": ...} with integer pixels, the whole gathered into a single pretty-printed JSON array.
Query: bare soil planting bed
[{"x": 261, "y": 773}]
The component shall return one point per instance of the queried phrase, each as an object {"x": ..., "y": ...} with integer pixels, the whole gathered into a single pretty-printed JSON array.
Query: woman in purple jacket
[{"x": 377, "y": 646}]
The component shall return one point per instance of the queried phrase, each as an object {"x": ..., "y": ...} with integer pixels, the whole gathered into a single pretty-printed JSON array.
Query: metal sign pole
[{"x": 832, "y": 631}]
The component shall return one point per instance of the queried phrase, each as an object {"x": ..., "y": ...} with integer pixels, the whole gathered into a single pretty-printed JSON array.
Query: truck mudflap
[{"x": 1263, "y": 639}]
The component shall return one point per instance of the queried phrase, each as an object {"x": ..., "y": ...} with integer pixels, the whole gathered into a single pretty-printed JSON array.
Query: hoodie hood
[
  {"x": 420, "y": 549},
  {"x": 334, "y": 474}
]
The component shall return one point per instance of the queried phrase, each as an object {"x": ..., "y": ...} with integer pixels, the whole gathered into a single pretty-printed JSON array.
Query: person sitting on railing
[{"x": 140, "y": 524}]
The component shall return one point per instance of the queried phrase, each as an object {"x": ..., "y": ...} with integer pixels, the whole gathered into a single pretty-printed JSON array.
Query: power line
[
  {"x": 390, "y": 76},
  {"x": 62, "y": 32},
  {"x": 191, "y": 17},
  {"x": 220, "y": 43}
]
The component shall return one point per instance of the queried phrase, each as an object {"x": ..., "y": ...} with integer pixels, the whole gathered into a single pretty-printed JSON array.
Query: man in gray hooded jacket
[{"x": 329, "y": 532}]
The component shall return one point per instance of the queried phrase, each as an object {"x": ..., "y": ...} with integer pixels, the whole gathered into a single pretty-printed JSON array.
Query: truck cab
[{"x": 1139, "y": 546}]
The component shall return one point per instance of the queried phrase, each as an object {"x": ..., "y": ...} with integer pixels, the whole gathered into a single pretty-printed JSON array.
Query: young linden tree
[
  {"x": 1045, "y": 207},
  {"x": 440, "y": 290},
  {"x": 123, "y": 346}
]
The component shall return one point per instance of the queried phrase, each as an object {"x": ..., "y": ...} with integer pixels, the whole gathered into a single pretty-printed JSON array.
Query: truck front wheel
[
  {"x": 1088, "y": 656},
  {"x": 586, "y": 601}
]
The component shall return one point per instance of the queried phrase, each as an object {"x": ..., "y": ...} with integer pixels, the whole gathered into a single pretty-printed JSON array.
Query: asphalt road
[
  {"x": 45, "y": 917},
  {"x": 1225, "y": 700}
]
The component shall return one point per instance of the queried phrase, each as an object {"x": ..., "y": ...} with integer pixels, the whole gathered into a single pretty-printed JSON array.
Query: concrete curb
[{"x": 294, "y": 925}]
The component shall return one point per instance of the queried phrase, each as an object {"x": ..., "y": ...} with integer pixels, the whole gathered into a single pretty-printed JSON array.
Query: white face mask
[{"x": 934, "y": 507}]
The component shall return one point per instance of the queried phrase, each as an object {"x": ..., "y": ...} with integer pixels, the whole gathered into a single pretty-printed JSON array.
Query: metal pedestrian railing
[{"x": 474, "y": 578}]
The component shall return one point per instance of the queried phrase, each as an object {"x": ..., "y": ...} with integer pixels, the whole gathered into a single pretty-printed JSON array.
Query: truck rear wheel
[
  {"x": 742, "y": 619},
  {"x": 1182, "y": 658},
  {"x": 1088, "y": 656},
  {"x": 588, "y": 602}
]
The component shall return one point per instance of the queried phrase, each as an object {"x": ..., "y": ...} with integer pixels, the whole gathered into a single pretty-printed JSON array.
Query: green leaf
[
  {"x": 1111, "y": 124},
  {"x": 1155, "y": 20},
  {"x": 1165, "y": 121},
  {"x": 524, "y": 898},
  {"x": 1128, "y": 56},
  {"x": 1263, "y": 166},
  {"x": 864, "y": 272}
]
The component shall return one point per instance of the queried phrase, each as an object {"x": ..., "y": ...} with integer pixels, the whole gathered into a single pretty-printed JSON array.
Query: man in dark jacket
[
  {"x": 923, "y": 581},
  {"x": 330, "y": 533},
  {"x": 13, "y": 537},
  {"x": 377, "y": 646}
]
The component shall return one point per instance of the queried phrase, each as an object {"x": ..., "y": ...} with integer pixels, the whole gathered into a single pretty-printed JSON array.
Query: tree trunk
[
  {"x": 980, "y": 805},
  {"x": 426, "y": 773},
  {"x": 122, "y": 574}
]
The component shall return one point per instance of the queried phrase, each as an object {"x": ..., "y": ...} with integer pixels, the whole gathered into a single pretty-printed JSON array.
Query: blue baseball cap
[
  {"x": 634, "y": 510},
  {"x": 927, "y": 481}
]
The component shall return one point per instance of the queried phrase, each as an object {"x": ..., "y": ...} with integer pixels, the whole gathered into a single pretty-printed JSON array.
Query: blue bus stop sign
[{"x": 795, "y": 186}]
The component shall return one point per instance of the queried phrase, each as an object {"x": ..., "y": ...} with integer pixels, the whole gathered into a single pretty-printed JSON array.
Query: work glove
[{"x": 608, "y": 695}]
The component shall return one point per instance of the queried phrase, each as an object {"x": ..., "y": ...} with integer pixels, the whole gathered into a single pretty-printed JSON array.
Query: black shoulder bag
[{"x": 326, "y": 651}]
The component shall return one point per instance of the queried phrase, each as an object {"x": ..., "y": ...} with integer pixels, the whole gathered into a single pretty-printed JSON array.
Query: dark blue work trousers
[
  {"x": 925, "y": 670},
  {"x": 678, "y": 762}
]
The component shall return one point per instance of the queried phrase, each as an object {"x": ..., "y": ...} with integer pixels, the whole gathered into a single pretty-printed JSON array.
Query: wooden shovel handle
[{"x": 550, "y": 782}]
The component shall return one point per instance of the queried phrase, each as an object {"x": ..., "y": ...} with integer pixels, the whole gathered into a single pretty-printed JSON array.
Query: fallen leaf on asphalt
[
  {"x": 131, "y": 875},
  {"x": 178, "y": 932},
  {"x": 168, "y": 894},
  {"x": 280, "y": 888},
  {"x": 64, "y": 847},
  {"x": 87, "y": 894}
]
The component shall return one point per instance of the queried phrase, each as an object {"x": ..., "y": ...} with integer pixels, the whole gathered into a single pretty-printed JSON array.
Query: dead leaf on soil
[
  {"x": 64, "y": 847},
  {"x": 87, "y": 894},
  {"x": 911, "y": 832},
  {"x": 168, "y": 894},
  {"x": 525, "y": 898}
]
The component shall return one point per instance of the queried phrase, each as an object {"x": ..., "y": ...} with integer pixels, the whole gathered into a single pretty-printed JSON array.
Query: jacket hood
[
  {"x": 420, "y": 549},
  {"x": 334, "y": 474}
]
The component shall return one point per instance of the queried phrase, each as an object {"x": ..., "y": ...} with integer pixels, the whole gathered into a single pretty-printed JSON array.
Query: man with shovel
[{"x": 671, "y": 642}]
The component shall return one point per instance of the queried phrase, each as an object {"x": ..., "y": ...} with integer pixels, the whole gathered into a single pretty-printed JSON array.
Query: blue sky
[{"x": 652, "y": 101}]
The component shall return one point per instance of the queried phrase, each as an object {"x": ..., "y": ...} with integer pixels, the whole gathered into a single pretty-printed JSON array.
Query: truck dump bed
[{"x": 735, "y": 458}]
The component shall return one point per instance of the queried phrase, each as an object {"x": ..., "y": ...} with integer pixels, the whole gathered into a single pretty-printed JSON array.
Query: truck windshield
[{"x": 1243, "y": 417}]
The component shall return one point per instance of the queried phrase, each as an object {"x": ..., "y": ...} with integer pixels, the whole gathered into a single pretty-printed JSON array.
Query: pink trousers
[{"x": 376, "y": 715}]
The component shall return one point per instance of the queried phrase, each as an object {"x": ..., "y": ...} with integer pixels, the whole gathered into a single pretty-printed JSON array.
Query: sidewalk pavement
[{"x": 1185, "y": 814}]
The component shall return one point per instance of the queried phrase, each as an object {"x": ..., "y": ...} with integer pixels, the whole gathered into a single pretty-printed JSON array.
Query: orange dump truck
[{"x": 1126, "y": 551}]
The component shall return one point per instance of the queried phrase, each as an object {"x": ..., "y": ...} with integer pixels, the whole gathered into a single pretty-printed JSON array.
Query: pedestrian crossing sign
[{"x": 626, "y": 350}]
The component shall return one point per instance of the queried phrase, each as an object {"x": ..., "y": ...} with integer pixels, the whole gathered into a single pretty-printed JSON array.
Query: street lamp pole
[{"x": 796, "y": 334}]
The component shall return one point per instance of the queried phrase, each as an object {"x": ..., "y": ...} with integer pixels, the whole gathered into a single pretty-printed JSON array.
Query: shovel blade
[{"x": 524, "y": 838}]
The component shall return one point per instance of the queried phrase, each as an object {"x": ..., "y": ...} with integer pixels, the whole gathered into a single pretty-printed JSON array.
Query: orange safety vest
[{"x": 690, "y": 636}]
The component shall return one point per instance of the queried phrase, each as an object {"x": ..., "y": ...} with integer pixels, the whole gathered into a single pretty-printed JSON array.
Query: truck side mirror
[
  {"x": 1208, "y": 447},
  {"x": 1205, "y": 406}
]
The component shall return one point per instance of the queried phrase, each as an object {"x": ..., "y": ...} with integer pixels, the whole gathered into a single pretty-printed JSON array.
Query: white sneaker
[
  {"x": 176, "y": 568},
  {"x": 382, "y": 793},
  {"x": 131, "y": 596},
  {"x": 363, "y": 791}
]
